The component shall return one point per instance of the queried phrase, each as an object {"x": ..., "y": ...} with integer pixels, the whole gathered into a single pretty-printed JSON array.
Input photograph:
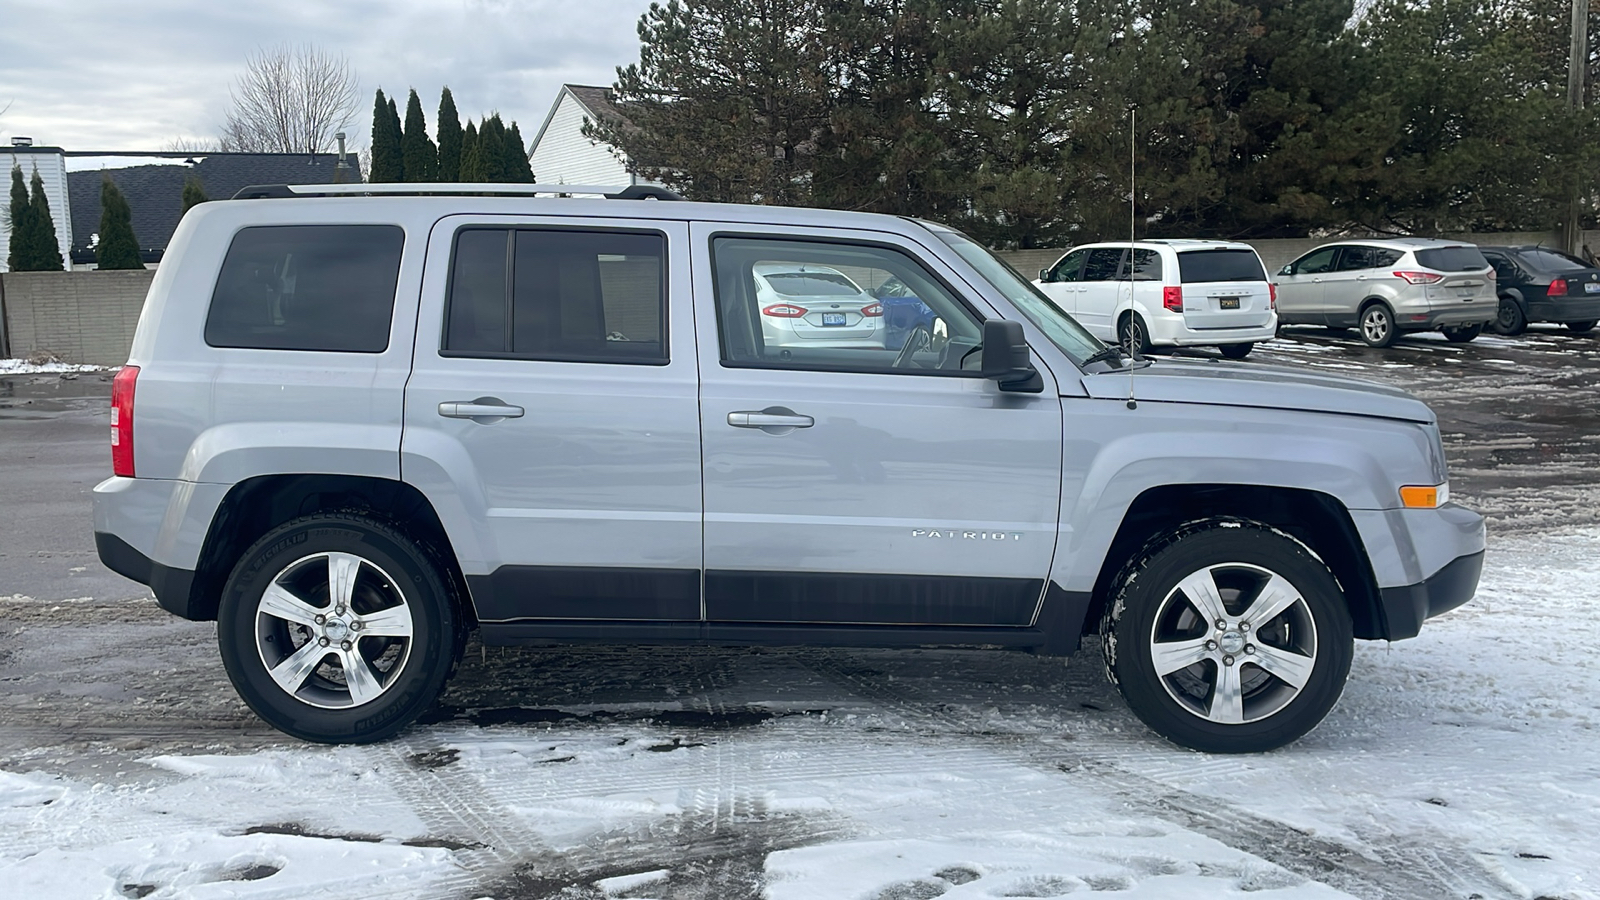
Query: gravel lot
[{"x": 1459, "y": 764}]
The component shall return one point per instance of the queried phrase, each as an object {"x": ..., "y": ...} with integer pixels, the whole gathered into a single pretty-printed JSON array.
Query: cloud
[{"x": 113, "y": 75}]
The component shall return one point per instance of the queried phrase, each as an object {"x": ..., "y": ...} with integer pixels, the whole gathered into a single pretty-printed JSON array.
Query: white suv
[{"x": 1169, "y": 293}]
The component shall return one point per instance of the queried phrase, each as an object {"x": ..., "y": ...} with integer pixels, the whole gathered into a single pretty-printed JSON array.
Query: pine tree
[
  {"x": 387, "y": 163},
  {"x": 471, "y": 168},
  {"x": 449, "y": 138},
  {"x": 420, "y": 158},
  {"x": 118, "y": 248},
  {"x": 19, "y": 256},
  {"x": 47, "y": 249},
  {"x": 194, "y": 194},
  {"x": 517, "y": 166},
  {"x": 491, "y": 150}
]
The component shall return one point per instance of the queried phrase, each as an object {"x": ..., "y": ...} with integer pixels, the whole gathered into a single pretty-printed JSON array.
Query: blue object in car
[{"x": 902, "y": 312}]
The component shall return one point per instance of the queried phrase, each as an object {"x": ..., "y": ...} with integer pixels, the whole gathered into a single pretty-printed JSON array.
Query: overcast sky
[{"x": 121, "y": 75}]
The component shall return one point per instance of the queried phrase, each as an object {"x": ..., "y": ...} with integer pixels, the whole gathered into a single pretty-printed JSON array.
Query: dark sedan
[{"x": 1538, "y": 284}]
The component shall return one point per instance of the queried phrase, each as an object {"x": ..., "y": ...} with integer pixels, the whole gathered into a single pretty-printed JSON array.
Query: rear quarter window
[
  {"x": 1200, "y": 266},
  {"x": 1452, "y": 259},
  {"x": 307, "y": 287}
]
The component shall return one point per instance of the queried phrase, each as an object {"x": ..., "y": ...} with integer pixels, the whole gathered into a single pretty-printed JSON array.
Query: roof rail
[{"x": 278, "y": 191}]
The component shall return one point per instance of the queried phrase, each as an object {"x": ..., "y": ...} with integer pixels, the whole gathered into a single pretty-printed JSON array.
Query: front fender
[{"x": 1361, "y": 462}]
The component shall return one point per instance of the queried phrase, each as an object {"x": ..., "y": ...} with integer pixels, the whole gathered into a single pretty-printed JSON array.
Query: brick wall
[{"x": 80, "y": 317}]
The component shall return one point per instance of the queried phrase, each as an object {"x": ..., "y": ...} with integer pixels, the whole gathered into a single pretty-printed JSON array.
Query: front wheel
[
  {"x": 1461, "y": 334},
  {"x": 1236, "y": 351},
  {"x": 1509, "y": 319},
  {"x": 1377, "y": 325},
  {"x": 337, "y": 628},
  {"x": 1228, "y": 637},
  {"x": 1583, "y": 327}
]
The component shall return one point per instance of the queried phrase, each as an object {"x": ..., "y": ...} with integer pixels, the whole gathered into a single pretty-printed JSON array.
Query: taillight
[
  {"x": 784, "y": 311},
  {"x": 1492, "y": 275},
  {"x": 872, "y": 311},
  {"x": 1272, "y": 296},
  {"x": 1172, "y": 298},
  {"x": 1557, "y": 287},
  {"x": 1420, "y": 277},
  {"x": 122, "y": 421}
]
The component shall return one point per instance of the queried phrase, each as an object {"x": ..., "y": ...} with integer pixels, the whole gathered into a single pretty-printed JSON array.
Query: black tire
[
  {"x": 1510, "y": 320},
  {"x": 1461, "y": 334},
  {"x": 1377, "y": 325},
  {"x": 392, "y": 575},
  {"x": 1236, "y": 351},
  {"x": 1583, "y": 327},
  {"x": 1133, "y": 336},
  {"x": 1148, "y": 603}
]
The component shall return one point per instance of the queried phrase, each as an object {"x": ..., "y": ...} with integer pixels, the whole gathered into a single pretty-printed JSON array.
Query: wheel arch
[
  {"x": 1317, "y": 520},
  {"x": 256, "y": 505}
]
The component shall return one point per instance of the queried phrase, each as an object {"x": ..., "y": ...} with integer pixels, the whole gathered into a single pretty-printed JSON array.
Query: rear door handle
[
  {"x": 769, "y": 418},
  {"x": 484, "y": 410}
]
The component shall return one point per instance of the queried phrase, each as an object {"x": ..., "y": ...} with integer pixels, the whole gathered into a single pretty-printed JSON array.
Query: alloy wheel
[
  {"x": 1233, "y": 643},
  {"x": 334, "y": 630}
]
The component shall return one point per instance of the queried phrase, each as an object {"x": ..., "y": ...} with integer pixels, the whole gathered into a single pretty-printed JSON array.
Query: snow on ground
[
  {"x": 24, "y": 367},
  {"x": 1458, "y": 764}
]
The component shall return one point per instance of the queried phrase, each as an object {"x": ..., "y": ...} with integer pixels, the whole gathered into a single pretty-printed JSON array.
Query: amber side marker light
[{"x": 1425, "y": 496}]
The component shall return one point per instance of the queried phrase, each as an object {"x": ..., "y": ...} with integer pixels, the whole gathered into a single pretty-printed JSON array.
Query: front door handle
[
  {"x": 769, "y": 418},
  {"x": 484, "y": 410}
]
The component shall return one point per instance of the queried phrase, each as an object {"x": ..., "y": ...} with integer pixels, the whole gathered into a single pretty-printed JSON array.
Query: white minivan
[{"x": 1176, "y": 293}]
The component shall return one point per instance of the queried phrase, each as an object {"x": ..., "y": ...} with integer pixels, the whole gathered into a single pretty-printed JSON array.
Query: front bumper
[{"x": 1405, "y": 608}]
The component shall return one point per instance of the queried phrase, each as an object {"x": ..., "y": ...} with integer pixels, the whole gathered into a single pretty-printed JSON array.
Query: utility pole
[{"x": 1577, "y": 68}]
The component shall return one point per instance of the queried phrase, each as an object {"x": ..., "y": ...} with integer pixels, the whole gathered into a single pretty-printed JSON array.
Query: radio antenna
[{"x": 1135, "y": 334}]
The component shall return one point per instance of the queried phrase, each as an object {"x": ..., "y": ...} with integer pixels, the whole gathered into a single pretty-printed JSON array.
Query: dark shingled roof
[
  {"x": 598, "y": 100},
  {"x": 155, "y": 192}
]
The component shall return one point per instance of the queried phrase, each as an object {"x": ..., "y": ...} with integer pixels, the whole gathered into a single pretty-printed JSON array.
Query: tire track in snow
[{"x": 1388, "y": 868}]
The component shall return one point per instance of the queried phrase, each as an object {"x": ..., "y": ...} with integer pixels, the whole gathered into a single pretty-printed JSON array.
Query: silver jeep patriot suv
[{"x": 357, "y": 424}]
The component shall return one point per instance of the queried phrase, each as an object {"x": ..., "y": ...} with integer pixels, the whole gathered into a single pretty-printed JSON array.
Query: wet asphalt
[{"x": 1520, "y": 418}]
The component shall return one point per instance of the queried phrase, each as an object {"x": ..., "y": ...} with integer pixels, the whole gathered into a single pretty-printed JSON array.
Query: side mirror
[
  {"x": 1006, "y": 358},
  {"x": 1285, "y": 270},
  {"x": 1044, "y": 276}
]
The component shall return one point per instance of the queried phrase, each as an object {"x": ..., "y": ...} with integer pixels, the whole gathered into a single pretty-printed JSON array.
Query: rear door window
[
  {"x": 307, "y": 287},
  {"x": 1452, "y": 259},
  {"x": 1103, "y": 264},
  {"x": 574, "y": 296},
  {"x": 1353, "y": 258},
  {"x": 1201, "y": 266},
  {"x": 1146, "y": 266}
]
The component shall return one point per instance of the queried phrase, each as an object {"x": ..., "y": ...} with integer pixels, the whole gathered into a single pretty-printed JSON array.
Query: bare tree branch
[{"x": 290, "y": 99}]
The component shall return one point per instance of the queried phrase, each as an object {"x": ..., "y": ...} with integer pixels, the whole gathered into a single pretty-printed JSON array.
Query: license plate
[
  {"x": 1229, "y": 302},
  {"x": 833, "y": 318},
  {"x": 1592, "y": 287}
]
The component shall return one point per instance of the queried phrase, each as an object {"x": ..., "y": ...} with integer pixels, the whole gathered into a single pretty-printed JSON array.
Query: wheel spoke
[
  {"x": 1292, "y": 668},
  {"x": 1201, "y": 589},
  {"x": 342, "y": 571},
  {"x": 359, "y": 677},
  {"x": 392, "y": 622},
  {"x": 293, "y": 671},
  {"x": 1169, "y": 657},
  {"x": 279, "y": 602},
  {"x": 1227, "y": 697},
  {"x": 1275, "y": 597}
]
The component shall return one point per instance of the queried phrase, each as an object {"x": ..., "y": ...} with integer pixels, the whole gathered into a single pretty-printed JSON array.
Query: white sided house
[
  {"x": 51, "y": 164},
  {"x": 561, "y": 154}
]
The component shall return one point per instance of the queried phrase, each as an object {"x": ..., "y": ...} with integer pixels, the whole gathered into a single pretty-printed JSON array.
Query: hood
[{"x": 1268, "y": 387}]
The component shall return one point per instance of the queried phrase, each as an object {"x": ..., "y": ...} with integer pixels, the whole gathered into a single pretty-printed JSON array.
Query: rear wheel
[
  {"x": 1131, "y": 333},
  {"x": 1509, "y": 319},
  {"x": 1236, "y": 351},
  {"x": 1583, "y": 327},
  {"x": 1228, "y": 637},
  {"x": 337, "y": 628},
  {"x": 1461, "y": 334},
  {"x": 1377, "y": 325}
]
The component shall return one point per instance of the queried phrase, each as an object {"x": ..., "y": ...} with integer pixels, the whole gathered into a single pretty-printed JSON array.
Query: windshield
[{"x": 1061, "y": 328}]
